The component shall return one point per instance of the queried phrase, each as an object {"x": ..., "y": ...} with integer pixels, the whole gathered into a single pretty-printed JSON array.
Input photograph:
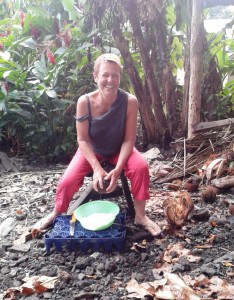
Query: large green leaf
[
  {"x": 16, "y": 77},
  {"x": 51, "y": 93},
  {"x": 5, "y": 55},
  {"x": 5, "y": 21},
  {"x": 29, "y": 43},
  {"x": 40, "y": 68},
  {"x": 22, "y": 113},
  {"x": 70, "y": 8}
]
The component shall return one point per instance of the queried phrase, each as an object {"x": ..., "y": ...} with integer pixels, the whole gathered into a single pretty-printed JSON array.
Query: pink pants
[{"x": 135, "y": 169}]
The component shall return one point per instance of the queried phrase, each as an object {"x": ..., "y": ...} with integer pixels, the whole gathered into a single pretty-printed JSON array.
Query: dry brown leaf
[
  {"x": 203, "y": 246},
  {"x": 223, "y": 289},
  {"x": 213, "y": 223},
  {"x": 200, "y": 281},
  {"x": 210, "y": 286},
  {"x": 11, "y": 293},
  {"x": 32, "y": 285},
  {"x": 37, "y": 284},
  {"x": 25, "y": 237},
  {"x": 139, "y": 291},
  {"x": 227, "y": 264},
  {"x": 171, "y": 287},
  {"x": 91, "y": 276},
  {"x": 181, "y": 251},
  {"x": 180, "y": 289},
  {"x": 138, "y": 246},
  {"x": 213, "y": 166},
  {"x": 211, "y": 238}
]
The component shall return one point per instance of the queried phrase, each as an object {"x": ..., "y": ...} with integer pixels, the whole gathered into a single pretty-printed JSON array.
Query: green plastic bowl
[{"x": 97, "y": 215}]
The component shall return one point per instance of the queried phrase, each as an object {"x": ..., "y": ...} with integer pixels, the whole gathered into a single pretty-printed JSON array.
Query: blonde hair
[{"x": 107, "y": 57}]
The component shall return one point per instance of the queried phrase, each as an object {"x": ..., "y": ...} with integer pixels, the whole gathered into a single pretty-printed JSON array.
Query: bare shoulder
[
  {"x": 132, "y": 100},
  {"x": 81, "y": 100}
]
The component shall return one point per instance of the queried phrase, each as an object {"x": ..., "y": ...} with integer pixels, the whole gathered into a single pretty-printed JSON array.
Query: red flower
[
  {"x": 1, "y": 46},
  {"x": 22, "y": 18},
  {"x": 6, "y": 87},
  {"x": 50, "y": 56}
]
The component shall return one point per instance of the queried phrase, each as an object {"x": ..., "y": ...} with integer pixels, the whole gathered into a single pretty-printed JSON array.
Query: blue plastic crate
[{"x": 106, "y": 240}]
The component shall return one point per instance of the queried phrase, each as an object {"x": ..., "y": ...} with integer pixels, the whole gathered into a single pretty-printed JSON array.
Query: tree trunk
[
  {"x": 160, "y": 119},
  {"x": 147, "y": 116},
  {"x": 212, "y": 85},
  {"x": 195, "y": 66},
  {"x": 168, "y": 82},
  {"x": 184, "y": 111}
]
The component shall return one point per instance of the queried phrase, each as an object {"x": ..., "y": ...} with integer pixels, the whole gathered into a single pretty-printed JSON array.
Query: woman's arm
[
  {"x": 130, "y": 132},
  {"x": 83, "y": 139}
]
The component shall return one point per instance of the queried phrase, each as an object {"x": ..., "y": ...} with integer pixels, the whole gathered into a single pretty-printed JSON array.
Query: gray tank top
[{"x": 107, "y": 131}]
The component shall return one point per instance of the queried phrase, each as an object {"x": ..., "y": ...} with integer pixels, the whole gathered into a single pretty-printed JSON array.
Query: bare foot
[
  {"x": 148, "y": 225},
  {"x": 43, "y": 224}
]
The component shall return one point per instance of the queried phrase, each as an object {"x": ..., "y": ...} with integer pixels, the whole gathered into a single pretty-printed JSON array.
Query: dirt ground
[{"x": 195, "y": 261}]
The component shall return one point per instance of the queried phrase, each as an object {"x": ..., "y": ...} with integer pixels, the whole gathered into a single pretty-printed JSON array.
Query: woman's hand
[
  {"x": 112, "y": 177},
  {"x": 98, "y": 175}
]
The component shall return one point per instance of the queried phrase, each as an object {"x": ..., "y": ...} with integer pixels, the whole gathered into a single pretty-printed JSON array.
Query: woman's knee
[
  {"x": 140, "y": 165},
  {"x": 69, "y": 181}
]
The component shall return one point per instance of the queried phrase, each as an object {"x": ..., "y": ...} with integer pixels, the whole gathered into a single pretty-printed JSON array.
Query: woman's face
[{"x": 108, "y": 78}]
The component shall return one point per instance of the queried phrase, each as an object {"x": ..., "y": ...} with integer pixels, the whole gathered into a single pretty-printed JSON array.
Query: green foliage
[
  {"x": 46, "y": 54},
  {"x": 222, "y": 48},
  {"x": 44, "y": 68},
  {"x": 226, "y": 101}
]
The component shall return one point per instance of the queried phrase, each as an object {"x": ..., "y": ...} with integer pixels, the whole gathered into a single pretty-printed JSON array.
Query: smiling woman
[{"x": 106, "y": 122}]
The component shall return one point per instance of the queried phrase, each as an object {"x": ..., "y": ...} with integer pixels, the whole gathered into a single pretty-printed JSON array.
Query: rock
[
  {"x": 47, "y": 295},
  {"x": 139, "y": 277},
  {"x": 2, "y": 251},
  {"x": 177, "y": 268},
  {"x": 207, "y": 270},
  {"x": 6, "y": 226},
  {"x": 20, "y": 248},
  {"x": 152, "y": 154},
  {"x": 144, "y": 256},
  {"x": 219, "y": 238},
  {"x": 201, "y": 215},
  {"x": 5, "y": 270}
]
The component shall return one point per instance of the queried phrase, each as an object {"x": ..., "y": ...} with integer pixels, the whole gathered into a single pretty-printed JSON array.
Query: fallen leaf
[
  {"x": 139, "y": 291},
  {"x": 212, "y": 166},
  {"x": 32, "y": 285},
  {"x": 171, "y": 287},
  {"x": 181, "y": 251},
  {"x": 228, "y": 264},
  {"x": 37, "y": 284},
  {"x": 203, "y": 246},
  {"x": 213, "y": 223},
  {"x": 139, "y": 246},
  {"x": 211, "y": 238},
  {"x": 25, "y": 237}
]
